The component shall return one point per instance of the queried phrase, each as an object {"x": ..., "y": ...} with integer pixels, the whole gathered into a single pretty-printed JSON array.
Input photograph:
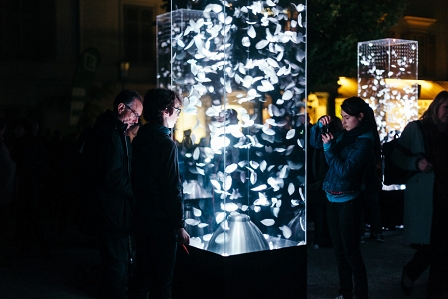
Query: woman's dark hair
[
  {"x": 156, "y": 101},
  {"x": 337, "y": 123},
  {"x": 431, "y": 113},
  {"x": 354, "y": 106}
]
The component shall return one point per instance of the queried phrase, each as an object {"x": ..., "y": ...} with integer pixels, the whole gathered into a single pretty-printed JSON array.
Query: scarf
[{"x": 347, "y": 137}]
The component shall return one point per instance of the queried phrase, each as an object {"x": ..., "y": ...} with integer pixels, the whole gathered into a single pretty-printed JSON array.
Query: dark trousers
[
  {"x": 114, "y": 253},
  {"x": 343, "y": 224},
  {"x": 372, "y": 205},
  {"x": 419, "y": 262},
  {"x": 434, "y": 256},
  {"x": 155, "y": 258},
  {"x": 438, "y": 271}
]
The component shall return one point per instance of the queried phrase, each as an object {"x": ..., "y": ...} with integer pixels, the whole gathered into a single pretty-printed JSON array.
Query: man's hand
[
  {"x": 424, "y": 165},
  {"x": 182, "y": 236}
]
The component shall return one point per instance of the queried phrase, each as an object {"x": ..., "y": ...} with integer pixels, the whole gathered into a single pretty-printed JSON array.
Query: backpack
[{"x": 393, "y": 174}]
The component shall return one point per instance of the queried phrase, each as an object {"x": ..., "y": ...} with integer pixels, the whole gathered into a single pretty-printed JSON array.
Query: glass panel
[{"x": 241, "y": 134}]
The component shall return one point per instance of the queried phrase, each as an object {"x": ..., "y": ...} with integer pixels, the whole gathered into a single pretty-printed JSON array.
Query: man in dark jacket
[
  {"x": 108, "y": 198},
  {"x": 157, "y": 187}
]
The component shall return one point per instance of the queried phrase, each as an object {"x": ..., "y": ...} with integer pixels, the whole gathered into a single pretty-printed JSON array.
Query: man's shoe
[{"x": 407, "y": 285}]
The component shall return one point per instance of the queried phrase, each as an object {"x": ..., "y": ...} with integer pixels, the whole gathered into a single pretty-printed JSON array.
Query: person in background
[
  {"x": 107, "y": 193},
  {"x": 349, "y": 154},
  {"x": 426, "y": 196},
  {"x": 371, "y": 204},
  {"x": 31, "y": 160},
  {"x": 159, "y": 222}
]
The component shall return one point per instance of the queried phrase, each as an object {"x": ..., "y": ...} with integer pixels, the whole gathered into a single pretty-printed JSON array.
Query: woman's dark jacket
[
  {"x": 155, "y": 179},
  {"x": 106, "y": 206},
  {"x": 348, "y": 164}
]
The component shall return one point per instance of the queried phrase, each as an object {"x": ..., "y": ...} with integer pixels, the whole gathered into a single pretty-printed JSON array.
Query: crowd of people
[
  {"x": 128, "y": 177},
  {"x": 134, "y": 189},
  {"x": 113, "y": 202}
]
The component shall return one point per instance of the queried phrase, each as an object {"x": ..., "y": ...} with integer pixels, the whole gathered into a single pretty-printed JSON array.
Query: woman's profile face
[
  {"x": 442, "y": 113},
  {"x": 350, "y": 122}
]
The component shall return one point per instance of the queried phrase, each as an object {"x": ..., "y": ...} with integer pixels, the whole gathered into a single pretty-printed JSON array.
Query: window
[
  {"x": 27, "y": 29},
  {"x": 139, "y": 34}
]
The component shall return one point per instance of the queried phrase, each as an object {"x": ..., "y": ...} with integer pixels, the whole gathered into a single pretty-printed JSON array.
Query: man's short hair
[
  {"x": 126, "y": 97},
  {"x": 156, "y": 101}
]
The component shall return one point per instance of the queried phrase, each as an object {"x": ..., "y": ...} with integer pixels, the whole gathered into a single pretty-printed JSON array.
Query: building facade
[
  {"x": 41, "y": 42},
  {"x": 40, "y": 45}
]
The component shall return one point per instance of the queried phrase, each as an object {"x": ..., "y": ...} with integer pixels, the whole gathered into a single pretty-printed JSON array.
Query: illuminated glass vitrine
[
  {"x": 241, "y": 136},
  {"x": 387, "y": 79}
]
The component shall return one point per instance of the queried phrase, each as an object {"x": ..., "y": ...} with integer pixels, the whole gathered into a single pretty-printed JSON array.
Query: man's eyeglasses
[
  {"x": 178, "y": 110},
  {"x": 133, "y": 111}
]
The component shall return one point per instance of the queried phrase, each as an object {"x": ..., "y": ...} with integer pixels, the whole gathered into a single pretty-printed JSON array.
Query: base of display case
[{"x": 279, "y": 273}]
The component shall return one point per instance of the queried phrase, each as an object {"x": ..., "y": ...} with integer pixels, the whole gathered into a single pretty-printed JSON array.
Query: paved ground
[
  {"x": 60, "y": 276},
  {"x": 384, "y": 263}
]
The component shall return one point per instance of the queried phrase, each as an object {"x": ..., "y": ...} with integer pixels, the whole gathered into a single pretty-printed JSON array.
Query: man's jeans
[{"x": 114, "y": 253}]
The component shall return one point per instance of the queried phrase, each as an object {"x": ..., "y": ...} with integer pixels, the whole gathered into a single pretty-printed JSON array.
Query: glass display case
[
  {"x": 387, "y": 79},
  {"x": 240, "y": 67}
]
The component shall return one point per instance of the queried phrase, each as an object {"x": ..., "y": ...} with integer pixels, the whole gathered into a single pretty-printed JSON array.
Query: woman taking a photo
[{"x": 349, "y": 154}]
